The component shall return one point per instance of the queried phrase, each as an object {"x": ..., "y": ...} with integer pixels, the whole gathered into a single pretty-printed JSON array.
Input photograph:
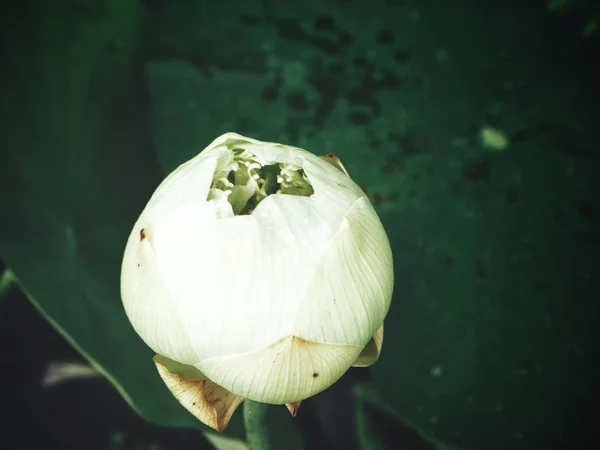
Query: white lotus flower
[{"x": 259, "y": 271}]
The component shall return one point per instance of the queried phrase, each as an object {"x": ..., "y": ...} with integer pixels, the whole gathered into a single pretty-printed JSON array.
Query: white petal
[
  {"x": 180, "y": 200},
  {"x": 266, "y": 152},
  {"x": 235, "y": 285},
  {"x": 271, "y": 153},
  {"x": 350, "y": 291},
  {"x": 288, "y": 371},
  {"x": 296, "y": 222},
  {"x": 326, "y": 177},
  {"x": 184, "y": 190},
  {"x": 148, "y": 304}
]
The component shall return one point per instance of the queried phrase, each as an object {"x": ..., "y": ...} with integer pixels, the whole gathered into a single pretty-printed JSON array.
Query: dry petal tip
[
  {"x": 205, "y": 400},
  {"x": 335, "y": 161},
  {"x": 293, "y": 407}
]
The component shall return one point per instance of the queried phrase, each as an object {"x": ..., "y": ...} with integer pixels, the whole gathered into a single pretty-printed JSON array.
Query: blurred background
[{"x": 472, "y": 126}]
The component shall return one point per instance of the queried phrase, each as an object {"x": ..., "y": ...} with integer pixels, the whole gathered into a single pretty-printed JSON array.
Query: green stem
[{"x": 255, "y": 421}]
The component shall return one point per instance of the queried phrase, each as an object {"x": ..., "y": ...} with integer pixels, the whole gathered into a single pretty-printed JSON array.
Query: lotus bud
[{"x": 257, "y": 271}]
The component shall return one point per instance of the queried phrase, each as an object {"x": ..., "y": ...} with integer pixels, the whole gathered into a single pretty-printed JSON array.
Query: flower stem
[{"x": 255, "y": 421}]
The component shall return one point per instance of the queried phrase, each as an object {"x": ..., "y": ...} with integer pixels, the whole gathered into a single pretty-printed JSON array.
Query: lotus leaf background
[{"x": 490, "y": 342}]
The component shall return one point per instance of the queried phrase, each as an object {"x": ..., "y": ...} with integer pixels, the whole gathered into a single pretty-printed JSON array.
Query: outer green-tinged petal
[
  {"x": 208, "y": 402},
  {"x": 290, "y": 370}
]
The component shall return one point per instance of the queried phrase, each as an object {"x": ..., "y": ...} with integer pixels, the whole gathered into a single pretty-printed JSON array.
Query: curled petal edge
[{"x": 372, "y": 350}]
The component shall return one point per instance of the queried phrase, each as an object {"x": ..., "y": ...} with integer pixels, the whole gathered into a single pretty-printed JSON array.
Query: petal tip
[
  {"x": 205, "y": 400},
  {"x": 293, "y": 407},
  {"x": 335, "y": 161}
]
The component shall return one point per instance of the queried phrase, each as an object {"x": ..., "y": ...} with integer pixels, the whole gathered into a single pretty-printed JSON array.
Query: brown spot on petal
[
  {"x": 293, "y": 407},
  {"x": 142, "y": 234},
  {"x": 207, "y": 401},
  {"x": 299, "y": 340}
]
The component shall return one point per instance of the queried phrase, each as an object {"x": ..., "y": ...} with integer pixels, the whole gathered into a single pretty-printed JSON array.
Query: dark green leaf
[
  {"x": 379, "y": 427},
  {"x": 79, "y": 165},
  {"x": 495, "y": 283}
]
